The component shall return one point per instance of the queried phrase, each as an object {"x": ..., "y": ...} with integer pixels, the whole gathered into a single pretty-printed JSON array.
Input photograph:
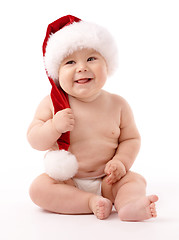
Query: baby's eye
[
  {"x": 91, "y": 59},
  {"x": 70, "y": 62}
]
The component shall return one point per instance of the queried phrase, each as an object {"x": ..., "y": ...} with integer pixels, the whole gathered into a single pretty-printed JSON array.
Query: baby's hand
[
  {"x": 64, "y": 120},
  {"x": 114, "y": 170}
]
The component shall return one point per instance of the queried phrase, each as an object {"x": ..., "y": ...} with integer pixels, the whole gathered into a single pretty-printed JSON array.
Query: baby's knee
[
  {"x": 38, "y": 188},
  {"x": 133, "y": 176},
  {"x": 35, "y": 191}
]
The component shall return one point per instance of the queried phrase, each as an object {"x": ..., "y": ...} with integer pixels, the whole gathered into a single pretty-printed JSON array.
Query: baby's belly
[{"x": 92, "y": 156}]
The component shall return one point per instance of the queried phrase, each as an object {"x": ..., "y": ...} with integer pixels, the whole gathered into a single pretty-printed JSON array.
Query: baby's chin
[{"x": 86, "y": 97}]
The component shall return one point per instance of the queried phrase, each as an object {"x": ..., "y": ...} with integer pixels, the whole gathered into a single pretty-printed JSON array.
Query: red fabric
[
  {"x": 57, "y": 25},
  {"x": 60, "y": 101},
  {"x": 59, "y": 97}
]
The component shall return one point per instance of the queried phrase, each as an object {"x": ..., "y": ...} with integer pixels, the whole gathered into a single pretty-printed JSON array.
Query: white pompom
[{"x": 60, "y": 165}]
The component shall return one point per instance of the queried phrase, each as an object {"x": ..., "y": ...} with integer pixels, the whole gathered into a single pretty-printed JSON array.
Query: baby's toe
[
  {"x": 153, "y": 210},
  {"x": 152, "y": 205}
]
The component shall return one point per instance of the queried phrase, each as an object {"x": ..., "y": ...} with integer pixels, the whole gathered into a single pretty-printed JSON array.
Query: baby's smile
[{"x": 83, "y": 80}]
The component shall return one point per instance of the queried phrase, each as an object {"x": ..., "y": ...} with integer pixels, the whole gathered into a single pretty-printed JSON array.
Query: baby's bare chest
[{"x": 96, "y": 123}]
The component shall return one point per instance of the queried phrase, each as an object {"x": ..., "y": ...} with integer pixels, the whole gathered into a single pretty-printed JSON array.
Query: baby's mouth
[{"x": 83, "y": 80}]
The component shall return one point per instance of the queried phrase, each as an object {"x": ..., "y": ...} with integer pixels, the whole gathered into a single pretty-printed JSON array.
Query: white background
[{"x": 147, "y": 35}]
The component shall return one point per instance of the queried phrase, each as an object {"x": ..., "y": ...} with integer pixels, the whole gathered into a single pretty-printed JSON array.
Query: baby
[{"x": 103, "y": 135}]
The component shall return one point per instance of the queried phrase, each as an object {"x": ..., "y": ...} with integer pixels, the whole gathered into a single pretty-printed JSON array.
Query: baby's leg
[
  {"x": 66, "y": 199},
  {"x": 131, "y": 201},
  {"x": 58, "y": 197}
]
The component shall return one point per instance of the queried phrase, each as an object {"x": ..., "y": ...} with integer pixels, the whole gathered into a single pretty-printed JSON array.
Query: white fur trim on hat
[
  {"x": 77, "y": 36},
  {"x": 60, "y": 164}
]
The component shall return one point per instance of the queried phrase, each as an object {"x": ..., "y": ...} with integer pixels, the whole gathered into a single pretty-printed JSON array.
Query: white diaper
[{"x": 89, "y": 185}]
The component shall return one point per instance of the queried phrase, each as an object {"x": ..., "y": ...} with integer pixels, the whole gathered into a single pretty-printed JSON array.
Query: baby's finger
[
  {"x": 68, "y": 110},
  {"x": 111, "y": 178},
  {"x": 112, "y": 169},
  {"x": 72, "y": 121},
  {"x": 106, "y": 170}
]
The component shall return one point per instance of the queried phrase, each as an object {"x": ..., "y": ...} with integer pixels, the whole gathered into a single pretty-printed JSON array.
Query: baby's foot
[
  {"x": 100, "y": 206},
  {"x": 141, "y": 209}
]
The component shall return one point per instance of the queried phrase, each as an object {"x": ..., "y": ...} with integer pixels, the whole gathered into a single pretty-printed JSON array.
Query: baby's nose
[{"x": 82, "y": 68}]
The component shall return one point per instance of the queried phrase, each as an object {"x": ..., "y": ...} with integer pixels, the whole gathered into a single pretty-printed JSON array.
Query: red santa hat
[
  {"x": 68, "y": 34},
  {"x": 63, "y": 37}
]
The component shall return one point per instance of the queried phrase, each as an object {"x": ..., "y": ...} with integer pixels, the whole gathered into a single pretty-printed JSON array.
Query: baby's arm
[
  {"x": 45, "y": 128},
  {"x": 129, "y": 145}
]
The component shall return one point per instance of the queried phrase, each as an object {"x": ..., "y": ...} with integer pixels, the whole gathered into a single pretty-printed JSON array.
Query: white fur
[
  {"x": 79, "y": 35},
  {"x": 60, "y": 165}
]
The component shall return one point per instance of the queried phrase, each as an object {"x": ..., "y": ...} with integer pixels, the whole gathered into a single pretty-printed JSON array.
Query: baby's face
[{"x": 83, "y": 74}]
